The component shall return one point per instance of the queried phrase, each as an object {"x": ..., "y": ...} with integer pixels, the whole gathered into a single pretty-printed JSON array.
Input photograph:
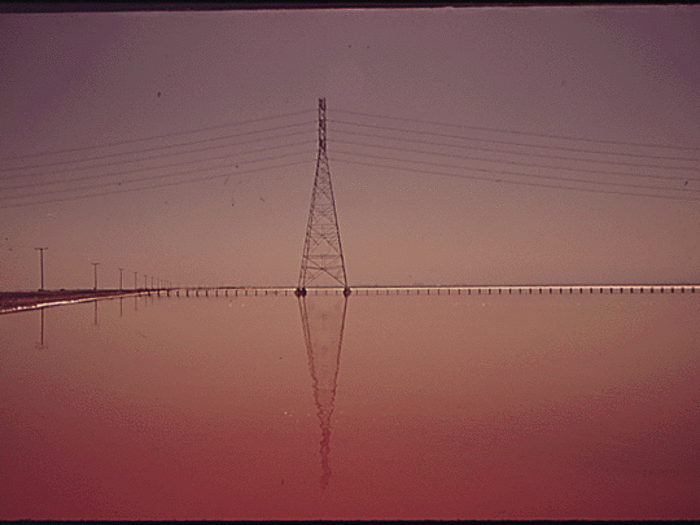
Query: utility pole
[
  {"x": 145, "y": 281},
  {"x": 120, "y": 277},
  {"x": 41, "y": 259},
  {"x": 135, "y": 285},
  {"x": 95, "y": 266}
]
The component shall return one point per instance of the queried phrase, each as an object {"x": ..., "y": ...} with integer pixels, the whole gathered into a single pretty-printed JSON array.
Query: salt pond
[{"x": 579, "y": 406}]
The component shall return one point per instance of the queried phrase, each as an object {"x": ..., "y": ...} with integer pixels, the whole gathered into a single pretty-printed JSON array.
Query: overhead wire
[
  {"x": 519, "y": 174},
  {"x": 524, "y": 133},
  {"x": 521, "y": 183},
  {"x": 531, "y": 151},
  {"x": 455, "y": 146},
  {"x": 160, "y": 185},
  {"x": 170, "y": 146},
  {"x": 494, "y": 141},
  {"x": 93, "y": 181},
  {"x": 142, "y": 179},
  {"x": 521, "y": 153},
  {"x": 514, "y": 163},
  {"x": 149, "y": 168},
  {"x": 155, "y": 137}
]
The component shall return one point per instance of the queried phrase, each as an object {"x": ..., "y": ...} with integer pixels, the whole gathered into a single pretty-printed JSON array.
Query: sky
[{"x": 491, "y": 145}]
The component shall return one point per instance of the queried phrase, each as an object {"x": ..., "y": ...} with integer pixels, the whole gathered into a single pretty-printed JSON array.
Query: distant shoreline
[
  {"x": 29, "y": 300},
  {"x": 13, "y": 301}
]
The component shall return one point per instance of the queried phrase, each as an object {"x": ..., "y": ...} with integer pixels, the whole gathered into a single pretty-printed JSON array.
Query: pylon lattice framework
[{"x": 322, "y": 262}]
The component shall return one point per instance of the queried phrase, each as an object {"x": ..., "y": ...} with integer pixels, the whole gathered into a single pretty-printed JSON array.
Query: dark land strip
[{"x": 19, "y": 301}]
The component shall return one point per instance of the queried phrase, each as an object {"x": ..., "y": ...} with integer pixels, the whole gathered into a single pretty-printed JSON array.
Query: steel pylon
[{"x": 322, "y": 262}]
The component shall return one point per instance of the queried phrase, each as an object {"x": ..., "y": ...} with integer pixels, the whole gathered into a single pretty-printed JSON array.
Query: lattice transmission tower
[{"x": 322, "y": 262}]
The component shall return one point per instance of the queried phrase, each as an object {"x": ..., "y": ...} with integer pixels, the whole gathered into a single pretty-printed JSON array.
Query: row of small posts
[
  {"x": 502, "y": 290},
  {"x": 529, "y": 290},
  {"x": 227, "y": 292}
]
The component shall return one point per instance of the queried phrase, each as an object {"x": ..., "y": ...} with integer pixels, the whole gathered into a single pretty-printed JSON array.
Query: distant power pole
[
  {"x": 145, "y": 281},
  {"x": 41, "y": 259},
  {"x": 95, "y": 266},
  {"x": 120, "y": 277},
  {"x": 135, "y": 284}
]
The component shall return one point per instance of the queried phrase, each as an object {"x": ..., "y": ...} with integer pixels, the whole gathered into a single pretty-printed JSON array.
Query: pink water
[{"x": 442, "y": 407}]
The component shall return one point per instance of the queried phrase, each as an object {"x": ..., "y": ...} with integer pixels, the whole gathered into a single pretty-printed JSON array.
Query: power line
[
  {"x": 142, "y": 160},
  {"x": 560, "y": 148},
  {"x": 161, "y": 185},
  {"x": 535, "y": 176},
  {"x": 514, "y": 163},
  {"x": 481, "y": 148},
  {"x": 499, "y": 172},
  {"x": 532, "y": 184},
  {"x": 210, "y": 159},
  {"x": 171, "y": 146},
  {"x": 154, "y": 137},
  {"x": 143, "y": 179},
  {"x": 157, "y": 167},
  {"x": 524, "y": 133}
]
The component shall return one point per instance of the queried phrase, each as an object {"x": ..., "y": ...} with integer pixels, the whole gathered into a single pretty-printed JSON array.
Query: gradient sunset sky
[{"x": 452, "y": 133}]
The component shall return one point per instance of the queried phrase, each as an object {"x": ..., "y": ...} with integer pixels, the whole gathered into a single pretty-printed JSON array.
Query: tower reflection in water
[{"x": 323, "y": 320}]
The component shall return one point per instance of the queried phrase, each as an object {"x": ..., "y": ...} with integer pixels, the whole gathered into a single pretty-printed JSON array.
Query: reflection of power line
[
  {"x": 524, "y": 133},
  {"x": 155, "y": 137},
  {"x": 153, "y": 186},
  {"x": 518, "y": 183},
  {"x": 535, "y": 176}
]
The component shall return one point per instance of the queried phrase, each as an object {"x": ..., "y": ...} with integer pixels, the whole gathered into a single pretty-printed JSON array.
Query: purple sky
[{"x": 89, "y": 82}]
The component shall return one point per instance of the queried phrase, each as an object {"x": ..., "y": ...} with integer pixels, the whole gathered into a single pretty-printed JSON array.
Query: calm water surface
[{"x": 432, "y": 407}]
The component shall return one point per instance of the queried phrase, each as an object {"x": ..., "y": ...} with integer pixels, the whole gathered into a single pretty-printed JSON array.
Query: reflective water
[{"x": 374, "y": 407}]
